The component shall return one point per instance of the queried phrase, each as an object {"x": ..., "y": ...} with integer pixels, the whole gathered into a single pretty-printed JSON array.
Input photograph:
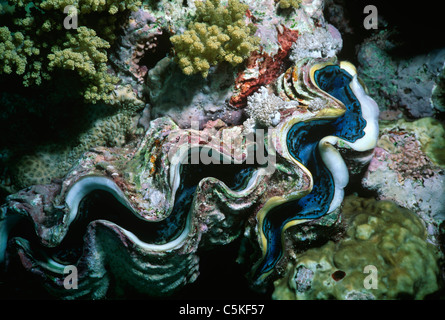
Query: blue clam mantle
[{"x": 311, "y": 143}]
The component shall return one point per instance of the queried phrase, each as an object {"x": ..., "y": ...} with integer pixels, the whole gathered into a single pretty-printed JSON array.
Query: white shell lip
[
  {"x": 78, "y": 191},
  {"x": 332, "y": 158},
  {"x": 179, "y": 158},
  {"x": 87, "y": 184}
]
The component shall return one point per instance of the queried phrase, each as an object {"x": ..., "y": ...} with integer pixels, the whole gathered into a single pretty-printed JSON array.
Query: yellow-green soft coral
[
  {"x": 285, "y": 4},
  {"x": 218, "y": 33},
  {"x": 85, "y": 53},
  {"x": 88, "y": 6},
  {"x": 390, "y": 239},
  {"x": 14, "y": 51},
  {"x": 84, "y": 6},
  {"x": 35, "y": 45}
]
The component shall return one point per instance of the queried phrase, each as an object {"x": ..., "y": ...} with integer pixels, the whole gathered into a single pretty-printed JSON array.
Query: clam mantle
[{"x": 150, "y": 235}]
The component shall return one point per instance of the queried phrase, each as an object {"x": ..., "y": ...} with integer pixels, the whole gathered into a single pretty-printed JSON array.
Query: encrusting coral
[
  {"x": 407, "y": 158},
  {"x": 34, "y": 43},
  {"x": 380, "y": 234},
  {"x": 217, "y": 34},
  {"x": 103, "y": 128}
]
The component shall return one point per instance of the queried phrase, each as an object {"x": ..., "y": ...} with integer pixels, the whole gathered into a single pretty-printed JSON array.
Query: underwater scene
[{"x": 221, "y": 149}]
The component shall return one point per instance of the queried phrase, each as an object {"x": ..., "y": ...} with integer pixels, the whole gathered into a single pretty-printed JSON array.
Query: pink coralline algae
[{"x": 404, "y": 156}]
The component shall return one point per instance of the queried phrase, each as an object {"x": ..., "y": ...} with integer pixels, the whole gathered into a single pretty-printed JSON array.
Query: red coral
[{"x": 269, "y": 68}]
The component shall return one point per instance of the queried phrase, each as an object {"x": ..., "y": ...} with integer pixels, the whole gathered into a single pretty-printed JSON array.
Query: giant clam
[
  {"x": 167, "y": 208},
  {"x": 150, "y": 240},
  {"x": 347, "y": 120}
]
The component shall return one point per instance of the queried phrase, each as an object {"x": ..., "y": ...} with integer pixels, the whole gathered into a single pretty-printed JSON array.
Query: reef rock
[
  {"x": 401, "y": 85},
  {"x": 408, "y": 167}
]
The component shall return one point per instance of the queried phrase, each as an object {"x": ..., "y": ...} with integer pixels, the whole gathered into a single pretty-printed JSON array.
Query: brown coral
[{"x": 380, "y": 234}]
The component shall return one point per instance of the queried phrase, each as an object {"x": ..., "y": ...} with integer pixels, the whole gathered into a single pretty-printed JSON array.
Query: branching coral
[
  {"x": 217, "y": 34},
  {"x": 323, "y": 42},
  {"x": 263, "y": 109},
  {"x": 35, "y": 45}
]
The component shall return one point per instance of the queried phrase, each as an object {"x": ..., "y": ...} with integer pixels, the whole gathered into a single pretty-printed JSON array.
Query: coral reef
[
  {"x": 137, "y": 144},
  {"x": 262, "y": 69},
  {"x": 155, "y": 178},
  {"x": 103, "y": 127},
  {"x": 337, "y": 14},
  {"x": 263, "y": 109},
  {"x": 406, "y": 158},
  {"x": 322, "y": 43},
  {"x": 380, "y": 234},
  {"x": 438, "y": 95},
  {"x": 278, "y": 36},
  {"x": 85, "y": 54},
  {"x": 191, "y": 99},
  {"x": 140, "y": 38},
  {"x": 112, "y": 7},
  {"x": 15, "y": 49},
  {"x": 79, "y": 126}
]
